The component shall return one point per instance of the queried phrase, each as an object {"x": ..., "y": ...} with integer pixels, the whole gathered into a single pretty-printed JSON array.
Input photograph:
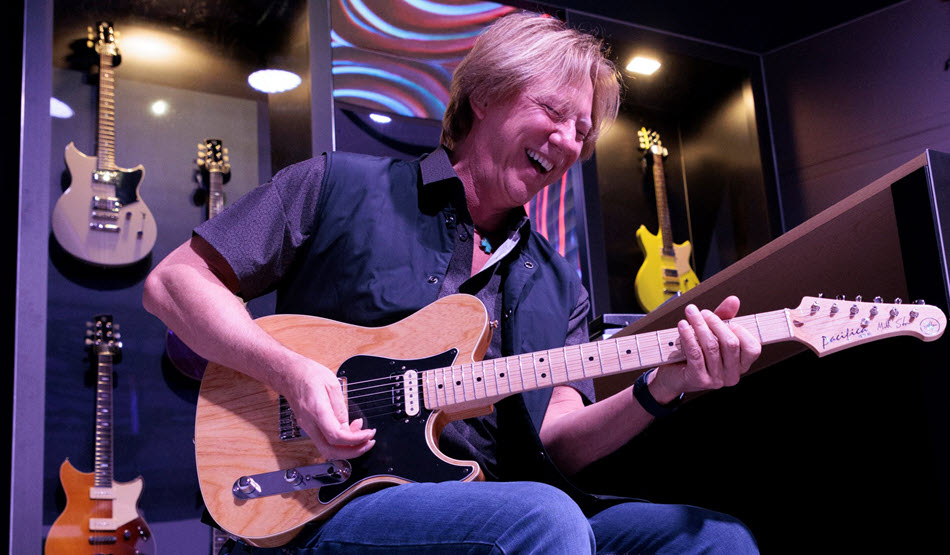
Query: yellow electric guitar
[{"x": 665, "y": 272}]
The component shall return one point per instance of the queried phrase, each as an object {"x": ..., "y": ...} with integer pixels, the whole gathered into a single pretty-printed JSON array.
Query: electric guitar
[
  {"x": 214, "y": 166},
  {"x": 100, "y": 218},
  {"x": 262, "y": 479},
  {"x": 101, "y": 515},
  {"x": 665, "y": 272}
]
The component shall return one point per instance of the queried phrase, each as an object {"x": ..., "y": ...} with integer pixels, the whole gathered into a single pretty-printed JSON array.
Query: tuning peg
[
  {"x": 878, "y": 299},
  {"x": 815, "y": 307},
  {"x": 821, "y": 295},
  {"x": 874, "y": 311},
  {"x": 839, "y": 297},
  {"x": 898, "y": 300},
  {"x": 855, "y": 310},
  {"x": 857, "y": 298},
  {"x": 834, "y": 308}
]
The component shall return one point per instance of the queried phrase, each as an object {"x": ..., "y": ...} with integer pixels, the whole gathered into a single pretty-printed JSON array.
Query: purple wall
[{"x": 855, "y": 102}]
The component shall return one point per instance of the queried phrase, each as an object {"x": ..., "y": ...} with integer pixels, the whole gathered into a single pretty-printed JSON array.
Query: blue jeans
[{"x": 516, "y": 517}]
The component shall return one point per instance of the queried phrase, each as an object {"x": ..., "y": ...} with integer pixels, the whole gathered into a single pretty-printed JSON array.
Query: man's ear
[{"x": 479, "y": 105}]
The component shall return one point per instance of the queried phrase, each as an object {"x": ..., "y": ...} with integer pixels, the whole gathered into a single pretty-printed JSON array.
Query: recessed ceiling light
[
  {"x": 643, "y": 65},
  {"x": 380, "y": 118},
  {"x": 159, "y": 108},
  {"x": 273, "y": 80},
  {"x": 59, "y": 109}
]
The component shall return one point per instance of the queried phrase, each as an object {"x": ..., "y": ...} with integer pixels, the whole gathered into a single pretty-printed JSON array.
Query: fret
[
  {"x": 525, "y": 365},
  {"x": 502, "y": 375},
  {"x": 441, "y": 395},
  {"x": 590, "y": 360},
  {"x": 609, "y": 362},
  {"x": 574, "y": 367}
]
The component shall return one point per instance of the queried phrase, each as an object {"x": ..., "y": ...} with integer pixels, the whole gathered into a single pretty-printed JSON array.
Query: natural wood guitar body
[{"x": 236, "y": 430}]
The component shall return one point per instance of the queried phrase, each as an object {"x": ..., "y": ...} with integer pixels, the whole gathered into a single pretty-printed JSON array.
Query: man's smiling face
[{"x": 530, "y": 140}]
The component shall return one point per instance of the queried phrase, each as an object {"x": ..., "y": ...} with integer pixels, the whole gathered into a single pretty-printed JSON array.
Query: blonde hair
[{"x": 523, "y": 49}]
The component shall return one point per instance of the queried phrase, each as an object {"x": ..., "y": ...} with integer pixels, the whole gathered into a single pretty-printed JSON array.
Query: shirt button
[
  {"x": 507, "y": 314},
  {"x": 528, "y": 264},
  {"x": 450, "y": 219},
  {"x": 433, "y": 279},
  {"x": 463, "y": 236}
]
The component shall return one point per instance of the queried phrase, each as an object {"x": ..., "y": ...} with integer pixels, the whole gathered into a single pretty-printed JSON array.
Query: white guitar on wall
[{"x": 100, "y": 218}]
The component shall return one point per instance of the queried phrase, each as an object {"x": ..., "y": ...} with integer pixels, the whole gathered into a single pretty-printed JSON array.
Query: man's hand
[
  {"x": 717, "y": 354},
  {"x": 317, "y": 401}
]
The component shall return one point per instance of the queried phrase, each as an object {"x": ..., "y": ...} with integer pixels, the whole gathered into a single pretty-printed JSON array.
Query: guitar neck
[
  {"x": 105, "y": 147},
  {"x": 103, "y": 452},
  {"x": 215, "y": 193},
  {"x": 468, "y": 384},
  {"x": 662, "y": 205}
]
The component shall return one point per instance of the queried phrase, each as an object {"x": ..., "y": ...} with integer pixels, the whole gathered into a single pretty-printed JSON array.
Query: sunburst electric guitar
[
  {"x": 101, "y": 515},
  {"x": 215, "y": 169},
  {"x": 262, "y": 479},
  {"x": 666, "y": 270},
  {"x": 100, "y": 218}
]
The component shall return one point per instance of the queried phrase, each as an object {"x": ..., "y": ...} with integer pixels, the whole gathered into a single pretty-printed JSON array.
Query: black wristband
[{"x": 643, "y": 396}]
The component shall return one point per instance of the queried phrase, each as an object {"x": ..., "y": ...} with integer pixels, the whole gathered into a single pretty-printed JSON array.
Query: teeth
[{"x": 536, "y": 156}]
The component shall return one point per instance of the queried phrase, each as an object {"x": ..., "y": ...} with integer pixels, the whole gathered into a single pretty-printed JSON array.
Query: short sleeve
[{"x": 260, "y": 234}]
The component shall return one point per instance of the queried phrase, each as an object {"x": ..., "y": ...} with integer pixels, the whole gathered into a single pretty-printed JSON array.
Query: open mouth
[{"x": 542, "y": 164}]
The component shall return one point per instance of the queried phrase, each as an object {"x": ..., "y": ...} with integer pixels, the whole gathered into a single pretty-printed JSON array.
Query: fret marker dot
[
  {"x": 670, "y": 343},
  {"x": 440, "y": 386},
  {"x": 541, "y": 359},
  {"x": 590, "y": 358},
  {"x": 458, "y": 382},
  {"x": 628, "y": 351},
  {"x": 543, "y": 375},
  {"x": 502, "y": 375},
  {"x": 478, "y": 379}
]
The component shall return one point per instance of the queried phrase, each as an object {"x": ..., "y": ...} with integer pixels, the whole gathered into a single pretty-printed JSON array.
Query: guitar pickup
[
  {"x": 111, "y": 215},
  {"x": 111, "y": 204},
  {"x": 292, "y": 479},
  {"x": 104, "y": 227}
]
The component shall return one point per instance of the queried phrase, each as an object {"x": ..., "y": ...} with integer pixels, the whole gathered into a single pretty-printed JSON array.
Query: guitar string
[{"x": 470, "y": 371}]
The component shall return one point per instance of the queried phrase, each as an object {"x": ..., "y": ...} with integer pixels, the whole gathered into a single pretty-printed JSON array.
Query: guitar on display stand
[
  {"x": 666, "y": 271},
  {"x": 100, "y": 218},
  {"x": 101, "y": 515},
  {"x": 263, "y": 480},
  {"x": 214, "y": 168}
]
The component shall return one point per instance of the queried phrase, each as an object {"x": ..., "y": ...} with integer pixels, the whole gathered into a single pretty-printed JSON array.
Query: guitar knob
[
  {"x": 293, "y": 477},
  {"x": 246, "y": 484}
]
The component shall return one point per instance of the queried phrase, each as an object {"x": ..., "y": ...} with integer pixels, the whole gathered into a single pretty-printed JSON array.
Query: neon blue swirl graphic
[
  {"x": 392, "y": 30},
  {"x": 443, "y": 9},
  {"x": 427, "y": 95},
  {"x": 393, "y": 105}
]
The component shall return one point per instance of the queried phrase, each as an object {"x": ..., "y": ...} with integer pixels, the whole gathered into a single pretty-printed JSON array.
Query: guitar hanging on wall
[
  {"x": 213, "y": 167},
  {"x": 100, "y": 218},
  {"x": 101, "y": 515},
  {"x": 665, "y": 272}
]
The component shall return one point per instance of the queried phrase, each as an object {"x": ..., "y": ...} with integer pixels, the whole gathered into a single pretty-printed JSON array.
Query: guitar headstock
[
  {"x": 102, "y": 337},
  {"x": 829, "y": 325},
  {"x": 103, "y": 38},
  {"x": 650, "y": 142},
  {"x": 213, "y": 157}
]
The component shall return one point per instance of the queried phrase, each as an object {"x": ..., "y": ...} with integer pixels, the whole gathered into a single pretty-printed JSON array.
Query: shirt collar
[{"x": 436, "y": 167}]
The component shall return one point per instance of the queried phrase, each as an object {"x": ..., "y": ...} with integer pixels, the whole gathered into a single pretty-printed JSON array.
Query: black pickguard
[
  {"x": 401, "y": 449},
  {"x": 126, "y": 186}
]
